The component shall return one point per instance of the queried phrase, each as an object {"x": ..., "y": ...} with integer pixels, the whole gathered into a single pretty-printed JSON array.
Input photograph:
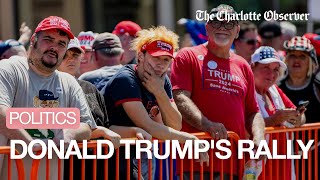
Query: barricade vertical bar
[
  {"x": 94, "y": 167},
  {"x": 106, "y": 164},
  {"x": 221, "y": 171},
  {"x": 270, "y": 162},
  {"x": 285, "y": 160},
  {"x": 59, "y": 169},
  {"x": 171, "y": 163},
  {"x": 160, "y": 163},
  {"x": 263, "y": 175},
  {"x": 303, "y": 161},
  {"x": 117, "y": 164},
  {"x": 296, "y": 152},
  {"x": 181, "y": 168},
  {"x": 316, "y": 154},
  {"x": 71, "y": 168},
  {"x": 83, "y": 169},
  {"x": 191, "y": 169},
  {"x": 277, "y": 160},
  {"x": 231, "y": 159},
  {"x": 309, "y": 158},
  {"x": 211, "y": 163}
]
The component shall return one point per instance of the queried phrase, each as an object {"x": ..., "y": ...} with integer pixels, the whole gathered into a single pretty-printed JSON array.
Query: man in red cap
[
  {"x": 127, "y": 30},
  {"x": 33, "y": 80},
  {"x": 140, "y": 95}
]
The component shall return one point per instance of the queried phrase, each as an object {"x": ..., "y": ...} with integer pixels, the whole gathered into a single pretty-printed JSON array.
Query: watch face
[{"x": 154, "y": 111}]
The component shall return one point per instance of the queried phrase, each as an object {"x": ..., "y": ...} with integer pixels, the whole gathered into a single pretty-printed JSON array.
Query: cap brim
[
  {"x": 71, "y": 47},
  {"x": 272, "y": 60},
  {"x": 69, "y": 33},
  {"x": 157, "y": 53}
]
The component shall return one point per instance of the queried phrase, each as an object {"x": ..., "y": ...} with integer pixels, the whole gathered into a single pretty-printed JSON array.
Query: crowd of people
[{"x": 135, "y": 82}]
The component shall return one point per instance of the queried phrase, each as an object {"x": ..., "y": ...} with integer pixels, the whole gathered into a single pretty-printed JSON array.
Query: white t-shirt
[{"x": 20, "y": 86}]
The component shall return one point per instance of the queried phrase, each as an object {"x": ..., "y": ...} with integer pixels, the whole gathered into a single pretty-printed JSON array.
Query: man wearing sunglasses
[
  {"x": 214, "y": 91},
  {"x": 247, "y": 41}
]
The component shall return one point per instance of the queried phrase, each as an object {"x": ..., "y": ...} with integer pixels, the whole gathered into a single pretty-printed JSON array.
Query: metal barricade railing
[
  {"x": 300, "y": 168},
  {"x": 19, "y": 163},
  {"x": 116, "y": 166},
  {"x": 273, "y": 169}
]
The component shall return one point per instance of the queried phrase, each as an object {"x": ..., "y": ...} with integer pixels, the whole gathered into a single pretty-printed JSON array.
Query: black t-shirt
[
  {"x": 96, "y": 103},
  {"x": 126, "y": 86},
  {"x": 307, "y": 92}
]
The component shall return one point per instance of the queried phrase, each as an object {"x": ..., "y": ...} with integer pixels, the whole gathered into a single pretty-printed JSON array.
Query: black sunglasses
[
  {"x": 250, "y": 41},
  {"x": 227, "y": 25}
]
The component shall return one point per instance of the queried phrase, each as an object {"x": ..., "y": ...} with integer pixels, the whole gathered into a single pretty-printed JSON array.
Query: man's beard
[{"x": 41, "y": 64}]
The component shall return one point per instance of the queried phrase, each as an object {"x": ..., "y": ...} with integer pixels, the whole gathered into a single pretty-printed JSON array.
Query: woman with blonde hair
[{"x": 300, "y": 82}]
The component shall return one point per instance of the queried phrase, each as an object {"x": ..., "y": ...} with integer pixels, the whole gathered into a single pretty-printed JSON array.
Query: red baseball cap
[
  {"x": 55, "y": 22},
  {"x": 158, "y": 48},
  {"x": 126, "y": 26},
  {"x": 315, "y": 41}
]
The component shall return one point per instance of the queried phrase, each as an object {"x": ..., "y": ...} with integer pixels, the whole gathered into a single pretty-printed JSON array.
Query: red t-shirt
[{"x": 223, "y": 89}]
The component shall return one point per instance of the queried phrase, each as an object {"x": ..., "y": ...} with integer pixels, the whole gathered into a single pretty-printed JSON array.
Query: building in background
[{"x": 102, "y": 15}]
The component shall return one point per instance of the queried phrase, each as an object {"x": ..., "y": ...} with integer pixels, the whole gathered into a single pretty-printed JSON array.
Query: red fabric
[
  {"x": 223, "y": 89},
  {"x": 158, "y": 48},
  {"x": 282, "y": 148},
  {"x": 126, "y": 26}
]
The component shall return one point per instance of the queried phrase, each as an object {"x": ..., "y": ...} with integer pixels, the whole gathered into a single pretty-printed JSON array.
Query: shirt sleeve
[
  {"x": 286, "y": 101},
  {"x": 124, "y": 88},
  {"x": 181, "y": 71},
  {"x": 7, "y": 87},
  {"x": 103, "y": 108},
  {"x": 78, "y": 100}
]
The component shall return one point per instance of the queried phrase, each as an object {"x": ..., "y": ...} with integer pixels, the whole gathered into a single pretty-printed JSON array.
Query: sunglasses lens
[{"x": 251, "y": 42}]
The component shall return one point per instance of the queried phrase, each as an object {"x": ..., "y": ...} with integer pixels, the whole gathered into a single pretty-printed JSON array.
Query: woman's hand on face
[{"x": 285, "y": 115}]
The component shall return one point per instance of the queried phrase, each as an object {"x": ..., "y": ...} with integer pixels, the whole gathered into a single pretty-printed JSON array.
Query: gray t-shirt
[{"x": 20, "y": 86}]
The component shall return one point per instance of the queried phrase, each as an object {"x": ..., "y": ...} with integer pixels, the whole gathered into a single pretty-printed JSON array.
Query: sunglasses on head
[
  {"x": 250, "y": 41},
  {"x": 227, "y": 25}
]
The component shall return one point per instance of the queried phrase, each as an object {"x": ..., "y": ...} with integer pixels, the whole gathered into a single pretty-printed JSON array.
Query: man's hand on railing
[
  {"x": 217, "y": 131},
  {"x": 107, "y": 134},
  {"x": 142, "y": 134}
]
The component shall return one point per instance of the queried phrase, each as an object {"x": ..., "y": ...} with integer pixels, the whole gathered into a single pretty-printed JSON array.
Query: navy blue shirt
[{"x": 126, "y": 86}]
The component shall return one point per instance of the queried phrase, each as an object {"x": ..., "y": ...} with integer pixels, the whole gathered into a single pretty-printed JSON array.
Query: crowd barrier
[
  {"x": 273, "y": 169},
  {"x": 5, "y": 150}
]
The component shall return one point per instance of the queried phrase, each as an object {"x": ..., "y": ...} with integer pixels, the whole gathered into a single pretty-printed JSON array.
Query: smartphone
[{"x": 302, "y": 105}]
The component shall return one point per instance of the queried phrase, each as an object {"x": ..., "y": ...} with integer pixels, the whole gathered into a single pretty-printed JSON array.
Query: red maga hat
[
  {"x": 55, "y": 22},
  {"x": 158, "y": 48},
  {"x": 126, "y": 26}
]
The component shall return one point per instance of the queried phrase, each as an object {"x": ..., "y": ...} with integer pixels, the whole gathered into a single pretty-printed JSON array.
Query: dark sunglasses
[
  {"x": 227, "y": 25},
  {"x": 250, "y": 41}
]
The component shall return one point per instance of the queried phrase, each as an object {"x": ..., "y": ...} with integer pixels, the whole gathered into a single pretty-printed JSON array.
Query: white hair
[{"x": 288, "y": 28}]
